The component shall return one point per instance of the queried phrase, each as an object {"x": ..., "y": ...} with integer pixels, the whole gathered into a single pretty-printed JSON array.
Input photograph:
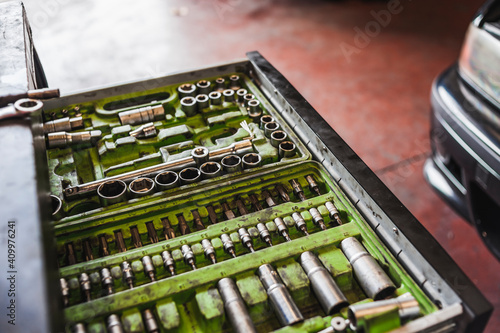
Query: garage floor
[{"x": 373, "y": 91}]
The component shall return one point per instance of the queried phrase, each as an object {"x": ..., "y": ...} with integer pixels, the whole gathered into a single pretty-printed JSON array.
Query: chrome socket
[
  {"x": 371, "y": 277},
  {"x": 300, "y": 223},
  {"x": 168, "y": 262},
  {"x": 149, "y": 268},
  {"x": 220, "y": 84},
  {"x": 251, "y": 160},
  {"x": 210, "y": 170},
  {"x": 203, "y": 101},
  {"x": 65, "y": 124},
  {"x": 228, "y": 244},
  {"x": 200, "y": 155},
  {"x": 150, "y": 322},
  {"x": 186, "y": 89},
  {"x": 166, "y": 180},
  {"x": 228, "y": 95},
  {"x": 215, "y": 98},
  {"x": 142, "y": 115},
  {"x": 278, "y": 137},
  {"x": 189, "y": 105},
  {"x": 141, "y": 187},
  {"x": 406, "y": 305},
  {"x": 234, "y": 82},
  {"x": 64, "y": 139},
  {"x": 209, "y": 250},
  {"x": 114, "y": 324},
  {"x": 231, "y": 163},
  {"x": 189, "y": 176},
  {"x": 247, "y": 98},
  {"x": 112, "y": 192},
  {"x": 203, "y": 87},
  {"x": 264, "y": 233},
  {"x": 85, "y": 285},
  {"x": 327, "y": 292},
  {"x": 317, "y": 218},
  {"x": 57, "y": 210},
  {"x": 107, "y": 280},
  {"x": 254, "y": 110},
  {"x": 270, "y": 127},
  {"x": 234, "y": 305},
  {"x": 188, "y": 255},
  {"x": 79, "y": 328},
  {"x": 264, "y": 120},
  {"x": 286, "y": 149},
  {"x": 127, "y": 274},
  {"x": 240, "y": 95},
  {"x": 282, "y": 303}
]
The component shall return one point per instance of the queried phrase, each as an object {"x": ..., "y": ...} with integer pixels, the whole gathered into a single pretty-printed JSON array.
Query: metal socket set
[{"x": 198, "y": 202}]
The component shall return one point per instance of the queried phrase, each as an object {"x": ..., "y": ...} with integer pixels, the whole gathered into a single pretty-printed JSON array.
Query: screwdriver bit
[
  {"x": 70, "y": 253},
  {"x": 283, "y": 193},
  {"x": 255, "y": 202},
  {"x": 312, "y": 184},
  {"x": 168, "y": 231},
  {"x": 183, "y": 226},
  {"x": 269, "y": 199},
  {"x": 153, "y": 237},
  {"x": 87, "y": 250},
  {"x": 241, "y": 207},
  {"x": 103, "y": 246},
  {"x": 212, "y": 216},
  {"x": 120, "y": 242},
  {"x": 197, "y": 221},
  {"x": 228, "y": 244},
  {"x": 228, "y": 213},
  {"x": 168, "y": 262},
  {"x": 136, "y": 237},
  {"x": 297, "y": 189}
]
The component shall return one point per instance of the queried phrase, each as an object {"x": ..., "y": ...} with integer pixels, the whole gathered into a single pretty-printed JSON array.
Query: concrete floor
[{"x": 376, "y": 97}]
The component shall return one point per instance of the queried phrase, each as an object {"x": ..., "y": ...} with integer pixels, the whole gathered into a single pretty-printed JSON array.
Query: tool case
[{"x": 214, "y": 200}]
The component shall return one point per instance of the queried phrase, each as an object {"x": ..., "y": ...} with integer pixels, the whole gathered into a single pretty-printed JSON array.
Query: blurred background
[{"x": 373, "y": 89}]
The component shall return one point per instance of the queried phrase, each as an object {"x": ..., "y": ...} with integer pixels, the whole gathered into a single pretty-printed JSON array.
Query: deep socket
[{"x": 234, "y": 305}]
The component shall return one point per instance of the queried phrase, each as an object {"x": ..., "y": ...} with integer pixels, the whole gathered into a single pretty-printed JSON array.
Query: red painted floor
[{"x": 376, "y": 97}]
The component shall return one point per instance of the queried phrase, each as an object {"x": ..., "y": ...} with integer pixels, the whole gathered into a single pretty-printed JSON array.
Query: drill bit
[
  {"x": 297, "y": 189},
  {"x": 149, "y": 269},
  {"x": 282, "y": 229},
  {"x": 197, "y": 221},
  {"x": 242, "y": 209},
  {"x": 317, "y": 218},
  {"x": 246, "y": 239},
  {"x": 334, "y": 212},
  {"x": 264, "y": 234},
  {"x": 255, "y": 202},
  {"x": 228, "y": 244},
  {"x": 85, "y": 285},
  {"x": 107, "y": 280},
  {"x": 300, "y": 223},
  {"x": 283, "y": 193},
  {"x": 168, "y": 231},
  {"x": 153, "y": 237},
  {"x": 128, "y": 274},
  {"x": 64, "y": 291},
  {"x": 269, "y": 199},
  {"x": 70, "y": 253},
  {"x": 188, "y": 256},
  {"x": 312, "y": 184},
  {"x": 183, "y": 226},
  {"x": 228, "y": 213},
  {"x": 168, "y": 262},
  {"x": 211, "y": 214},
  {"x": 120, "y": 242},
  {"x": 87, "y": 250},
  {"x": 136, "y": 237},
  {"x": 209, "y": 250},
  {"x": 103, "y": 246}
]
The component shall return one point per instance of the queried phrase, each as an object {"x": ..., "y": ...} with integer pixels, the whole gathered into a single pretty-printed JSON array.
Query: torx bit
[
  {"x": 183, "y": 226},
  {"x": 150, "y": 322},
  {"x": 283, "y": 193},
  {"x": 136, "y": 237},
  {"x": 128, "y": 274},
  {"x": 64, "y": 291},
  {"x": 228, "y": 244},
  {"x": 269, "y": 199},
  {"x": 188, "y": 255},
  {"x": 300, "y": 223},
  {"x": 168, "y": 262},
  {"x": 334, "y": 212},
  {"x": 87, "y": 250},
  {"x": 317, "y": 218},
  {"x": 120, "y": 242},
  {"x": 228, "y": 213},
  {"x": 103, "y": 246},
  {"x": 152, "y": 235},
  {"x": 282, "y": 229},
  {"x": 107, "y": 280},
  {"x": 242, "y": 209},
  {"x": 70, "y": 253},
  {"x": 312, "y": 184},
  {"x": 85, "y": 286},
  {"x": 255, "y": 202},
  {"x": 149, "y": 269},
  {"x": 168, "y": 231},
  {"x": 297, "y": 189},
  {"x": 197, "y": 221},
  {"x": 211, "y": 214},
  {"x": 264, "y": 234},
  {"x": 209, "y": 250},
  {"x": 246, "y": 240}
]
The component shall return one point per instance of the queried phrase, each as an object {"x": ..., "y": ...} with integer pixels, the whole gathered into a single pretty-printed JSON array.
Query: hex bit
[
  {"x": 269, "y": 199},
  {"x": 103, "y": 246},
  {"x": 228, "y": 244},
  {"x": 282, "y": 229},
  {"x": 70, "y": 253},
  {"x": 153, "y": 237},
  {"x": 212, "y": 216},
  {"x": 120, "y": 242},
  {"x": 334, "y": 212},
  {"x": 228, "y": 213},
  {"x": 87, "y": 250},
  {"x": 183, "y": 226},
  {"x": 168, "y": 262},
  {"x": 317, "y": 218},
  {"x": 297, "y": 189},
  {"x": 255, "y": 202},
  {"x": 300, "y": 223},
  {"x": 107, "y": 280},
  {"x": 283, "y": 193},
  {"x": 136, "y": 237},
  {"x": 168, "y": 231},
  {"x": 209, "y": 250},
  {"x": 242, "y": 209},
  {"x": 149, "y": 269},
  {"x": 189, "y": 257},
  {"x": 264, "y": 234},
  {"x": 64, "y": 291},
  {"x": 313, "y": 185},
  {"x": 246, "y": 240},
  {"x": 197, "y": 221},
  {"x": 128, "y": 274},
  {"x": 85, "y": 286}
]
